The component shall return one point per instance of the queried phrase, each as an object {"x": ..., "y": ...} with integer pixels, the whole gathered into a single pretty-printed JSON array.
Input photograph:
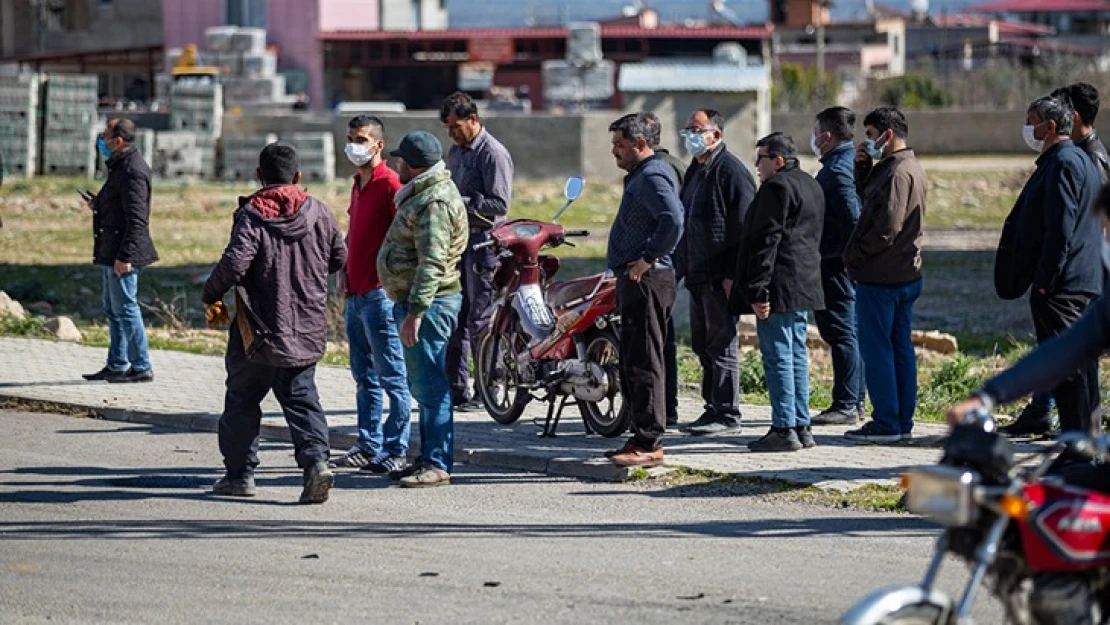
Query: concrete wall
[
  {"x": 942, "y": 132},
  {"x": 121, "y": 24},
  {"x": 349, "y": 15}
]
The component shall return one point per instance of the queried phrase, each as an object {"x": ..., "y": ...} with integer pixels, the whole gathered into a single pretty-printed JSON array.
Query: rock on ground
[
  {"x": 11, "y": 308},
  {"x": 64, "y": 329}
]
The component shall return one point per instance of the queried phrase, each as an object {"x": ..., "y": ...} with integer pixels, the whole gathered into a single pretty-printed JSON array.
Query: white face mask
[
  {"x": 1034, "y": 144},
  {"x": 813, "y": 145},
  {"x": 358, "y": 154}
]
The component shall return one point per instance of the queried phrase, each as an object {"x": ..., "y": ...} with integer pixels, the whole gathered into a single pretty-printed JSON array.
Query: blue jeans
[
  {"x": 128, "y": 348},
  {"x": 426, "y": 362},
  {"x": 885, "y": 315},
  {"x": 378, "y": 364},
  {"x": 782, "y": 343}
]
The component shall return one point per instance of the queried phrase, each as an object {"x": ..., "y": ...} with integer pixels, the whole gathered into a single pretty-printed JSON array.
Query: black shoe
[
  {"x": 706, "y": 418},
  {"x": 104, "y": 374},
  {"x": 318, "y": 480},
  {"x": 805, "y": 436},
  {"x": 717, "y": 427},
  {"x": 672, "y": 418},
  {"x": 470, "y": 406},
  {"x": 836, "y": 417},
  {"x": 777, "y": 439},
  {"x": 1034, "y": 420},
  {"x": 384, "y": 463},
  {"x": 133, "y": 376},
  {"x": 235, "y": 487}
]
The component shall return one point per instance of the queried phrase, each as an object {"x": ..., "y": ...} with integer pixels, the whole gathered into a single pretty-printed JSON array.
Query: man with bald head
[{"x": 123, "y": 248}]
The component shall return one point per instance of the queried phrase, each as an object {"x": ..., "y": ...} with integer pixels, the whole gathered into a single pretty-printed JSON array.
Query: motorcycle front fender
[{"x": 886, "y": 601}]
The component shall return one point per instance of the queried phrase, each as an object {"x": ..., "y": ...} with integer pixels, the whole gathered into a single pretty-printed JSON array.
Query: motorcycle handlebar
[
  {"x": 576, "y": 233},
  {"x": 483, "y": 244}
]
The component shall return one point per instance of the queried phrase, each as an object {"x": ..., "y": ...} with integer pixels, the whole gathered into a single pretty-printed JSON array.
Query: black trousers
[
  {"x": 1077, "y": 397},
  {"x": 645, "y": 307},
  {"x": 476, "y": 269},
  {"x": 247, "y": 385},
  {"x": 670, "y": 356},
  {"x": 837, "y": 326},
  {"x": 713, "y": 337}
]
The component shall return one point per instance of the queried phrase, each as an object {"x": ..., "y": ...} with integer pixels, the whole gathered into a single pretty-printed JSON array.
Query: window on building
[
  {"x": 246, "y": 13},
  {"x": 416, "y": 22}
]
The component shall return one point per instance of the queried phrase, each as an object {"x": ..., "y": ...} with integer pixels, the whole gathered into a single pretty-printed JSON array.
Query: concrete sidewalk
[{"x": 188, "y": 394}]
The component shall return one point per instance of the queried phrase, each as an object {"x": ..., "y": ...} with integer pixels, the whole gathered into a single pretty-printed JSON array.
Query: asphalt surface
[{"x": 104, "y": 522}]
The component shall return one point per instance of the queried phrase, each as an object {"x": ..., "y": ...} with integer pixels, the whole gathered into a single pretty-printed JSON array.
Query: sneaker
[
  {"x": 235, "y": 487},
  {"x": 623, "y": 449},
  {"x": 318, "y": 480},
  {"x": 133, "y": 376},
  {"x": 412, "y": 469},
  {"x": 907, "y": 436},
  {"x": 355, "y": 458},
  {"x": 385, "y": 463},
  {"x": 426, "y": 477},
  {"x": 777, "y": 439},
  {"x": 706, "y": 417},
  {"x": 639, "y": 457},
  {"x": 805, "y": 436},
  {"x": 470, "y": 406},
  {"x": 1034, "y": 420},
  {"x": 103, "y": 375},
  {"x": 836, "y": 417},
  {"x": 872, "y": 433},
  {"x": 718, "y": 427}
]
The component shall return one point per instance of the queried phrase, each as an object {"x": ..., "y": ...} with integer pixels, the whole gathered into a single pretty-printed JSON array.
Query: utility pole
[{"x": 820, "y": 29}]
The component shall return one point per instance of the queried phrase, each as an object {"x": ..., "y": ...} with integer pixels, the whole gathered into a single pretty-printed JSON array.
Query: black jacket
[
  {"x": 780, "y": 258},
  {"x": 1051, "y": 240},
  {"x": 715, "y": 199},
  {"x": 283, "y": 246},
  {"x": 842, "y": 204},
  {"x": 121, "y": 213},
  {"x": 1095, "y": 149}
]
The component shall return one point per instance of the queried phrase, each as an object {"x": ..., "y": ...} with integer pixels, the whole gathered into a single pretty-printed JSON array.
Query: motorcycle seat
[{"x": 559, "y": 293}]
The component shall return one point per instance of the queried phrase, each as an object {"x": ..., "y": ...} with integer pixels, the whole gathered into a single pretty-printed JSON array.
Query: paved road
[{"x": 108, "y": 522}]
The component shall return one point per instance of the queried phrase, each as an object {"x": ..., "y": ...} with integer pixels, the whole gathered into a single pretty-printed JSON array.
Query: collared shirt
[
  {"x": 649, "y": 221},
  {"x": 483, "y": 172},
  {"x": 371, "y": 213}
]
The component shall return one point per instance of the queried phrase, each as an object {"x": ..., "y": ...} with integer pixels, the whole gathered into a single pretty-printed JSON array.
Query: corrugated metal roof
[
  {"x": 607, "y": 31},
  {"x": 1041, "y": 6},
  {"x": 656, "y": 76}
]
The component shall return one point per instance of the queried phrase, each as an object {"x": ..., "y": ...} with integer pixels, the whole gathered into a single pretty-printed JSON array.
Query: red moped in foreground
[{"x": 553, "y": 341}]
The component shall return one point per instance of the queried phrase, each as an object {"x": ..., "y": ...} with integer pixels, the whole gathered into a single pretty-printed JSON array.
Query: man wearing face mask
[
  {"x": 483, "y": 171},
  {"x": 1051, "y": 246},
  {"x": 832, "y": 142},
  {"x": 377, "y": 359},
  {"x": 715, "y": 197},
  {"x": 883, "y": 256},
  {"x": 123, "y": 248}
]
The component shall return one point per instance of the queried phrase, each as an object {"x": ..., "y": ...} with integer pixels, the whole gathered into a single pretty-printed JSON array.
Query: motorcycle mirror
[{"x": 573, "y": 189}]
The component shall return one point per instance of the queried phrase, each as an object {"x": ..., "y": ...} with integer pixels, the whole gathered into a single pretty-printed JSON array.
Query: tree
[
  {"x": 795, "y": 88},
  {"x": 914, "y": 91}
]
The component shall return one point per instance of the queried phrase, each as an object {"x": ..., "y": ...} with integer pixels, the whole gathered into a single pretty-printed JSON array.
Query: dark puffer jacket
[
  {"x": 121, "y": 213},
  {"x": 283, "y": 246}
]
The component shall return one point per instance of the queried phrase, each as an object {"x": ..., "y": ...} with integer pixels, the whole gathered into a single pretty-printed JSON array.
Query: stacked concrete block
[
  {"x": 19, "y": 123},
  {"x": 176, "y": 155},
  {"x": 70, "y": 125},
  {"x": 198, "y": 109},
  {"x": 241, "y": 155},
  {"x": 144, "y": 142},
  {"x": 316, "y": 153},
  {"x": 218, "y": 38},
  {"x": 247, "y": 40}
]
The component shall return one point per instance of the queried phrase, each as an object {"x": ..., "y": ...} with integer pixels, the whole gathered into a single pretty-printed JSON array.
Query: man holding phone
[{"x": 123, "y": 248}]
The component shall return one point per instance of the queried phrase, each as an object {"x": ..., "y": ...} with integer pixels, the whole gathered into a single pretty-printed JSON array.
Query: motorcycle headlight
[{"x": 944, "y": 494}]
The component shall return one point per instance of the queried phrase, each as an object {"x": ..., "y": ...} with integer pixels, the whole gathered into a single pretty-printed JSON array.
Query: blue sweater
[{"x": 649, "y": 221}]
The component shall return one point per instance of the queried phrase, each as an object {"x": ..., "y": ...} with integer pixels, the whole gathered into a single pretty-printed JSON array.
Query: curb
[{"x": 595, "y": 469}]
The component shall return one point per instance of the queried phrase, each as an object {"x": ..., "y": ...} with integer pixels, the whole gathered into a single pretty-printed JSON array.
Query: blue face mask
[
  {"x": 695, "y": 143},
  {"x": 102, "y": 147},
  {"x": 873, "y": 150}
]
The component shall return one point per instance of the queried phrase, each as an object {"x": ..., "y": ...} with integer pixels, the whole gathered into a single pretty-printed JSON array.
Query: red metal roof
[
  {"x": 1042, "y": 6},
  {"x": 607, "y": 31},
  {"x": 1004, "y": 27},
  {"x": 1049, "y": 44}
]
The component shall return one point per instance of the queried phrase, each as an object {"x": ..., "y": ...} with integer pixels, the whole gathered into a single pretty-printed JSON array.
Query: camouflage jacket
[{"x": 420, "y": 256}]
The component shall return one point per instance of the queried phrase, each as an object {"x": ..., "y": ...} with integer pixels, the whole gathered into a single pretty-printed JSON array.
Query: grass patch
[
  {"x": 30, "y": 327},
  {"x": 700, "y": 483}
]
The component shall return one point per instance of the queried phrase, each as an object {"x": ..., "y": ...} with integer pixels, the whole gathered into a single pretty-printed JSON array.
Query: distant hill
[{"x": 507, "y": 13}]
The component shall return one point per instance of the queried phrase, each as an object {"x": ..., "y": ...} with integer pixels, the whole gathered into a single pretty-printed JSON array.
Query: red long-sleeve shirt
[{"x": 371, "y": 212}]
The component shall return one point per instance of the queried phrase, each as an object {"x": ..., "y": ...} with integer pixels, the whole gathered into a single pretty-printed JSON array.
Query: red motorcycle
[
  {"x": 546, "y": 340},
  {"x": 1042, "y": 546}
]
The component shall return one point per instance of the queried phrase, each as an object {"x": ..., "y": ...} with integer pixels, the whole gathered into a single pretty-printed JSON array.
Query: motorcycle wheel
[
  {"x": 608, "y": 416},
  {"x": 920, "y": 614},
  {"x": 498, "y": 378}
]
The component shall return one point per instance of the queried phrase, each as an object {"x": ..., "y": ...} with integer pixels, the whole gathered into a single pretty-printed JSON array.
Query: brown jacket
[{"x": 885, "y": 247}]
